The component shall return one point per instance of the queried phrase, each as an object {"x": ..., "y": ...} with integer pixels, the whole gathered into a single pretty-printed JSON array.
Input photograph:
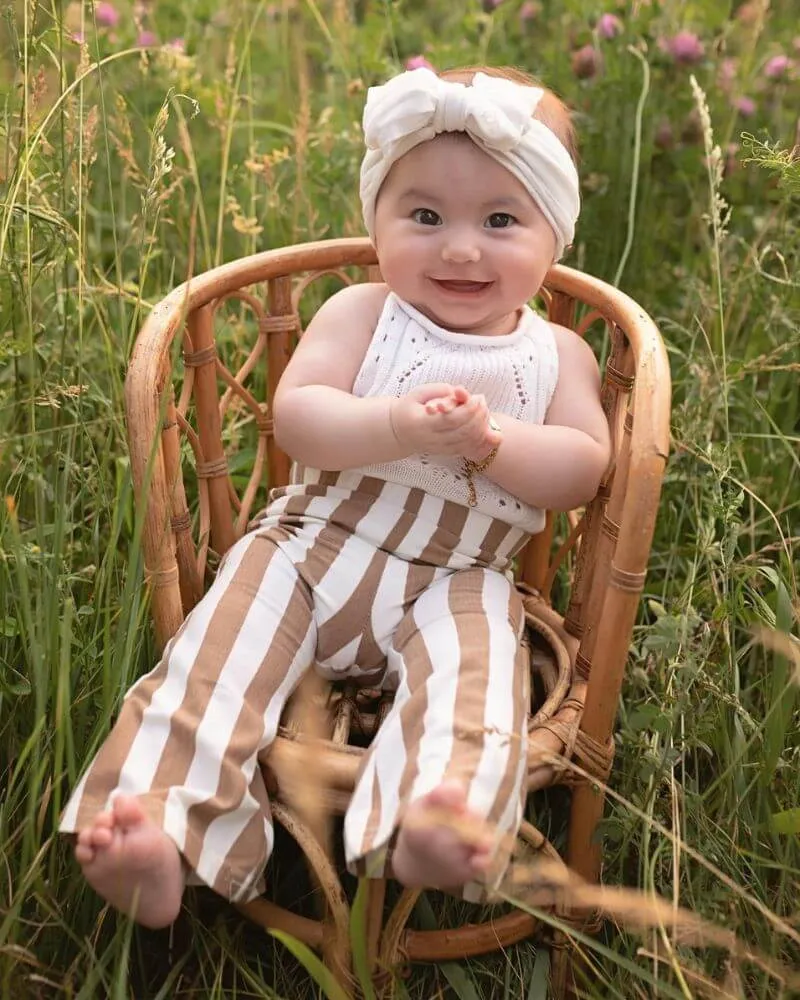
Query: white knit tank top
[{"x": 516, "y": 372}]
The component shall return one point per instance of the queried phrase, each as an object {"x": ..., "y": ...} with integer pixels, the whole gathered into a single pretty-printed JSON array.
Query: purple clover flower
[
  {"x": 728, "y": 69},
  {"x": 529, "y": 11},
  {"x": 609, "y": 26},
  {"x": 107, "y": 15},
  {"x": 586, "y": 62},
  {"x": 685, "y": 48},
  {"x": 778, "y": 67}
]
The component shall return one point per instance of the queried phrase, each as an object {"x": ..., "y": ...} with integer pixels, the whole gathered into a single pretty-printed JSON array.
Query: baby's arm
[
  {"x": 320, "y": 423},
  {"x": 558, "y": 465}
]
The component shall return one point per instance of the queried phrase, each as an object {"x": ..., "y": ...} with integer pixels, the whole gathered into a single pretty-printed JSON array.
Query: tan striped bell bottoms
[{"x": 368, "y": 580}]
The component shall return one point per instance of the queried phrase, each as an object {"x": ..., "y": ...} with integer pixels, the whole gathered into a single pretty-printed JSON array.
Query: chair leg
[
  {"x": 560, "y": 971},
  {"x": 583, "y": 849},
  {"x": 584, "y": 857}
]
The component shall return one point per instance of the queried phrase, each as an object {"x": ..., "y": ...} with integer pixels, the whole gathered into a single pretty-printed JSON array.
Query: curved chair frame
[{"x": 579, "y": 654}]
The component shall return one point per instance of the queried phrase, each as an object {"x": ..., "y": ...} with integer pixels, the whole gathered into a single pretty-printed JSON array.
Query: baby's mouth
[{"x": 459, "y": 285}]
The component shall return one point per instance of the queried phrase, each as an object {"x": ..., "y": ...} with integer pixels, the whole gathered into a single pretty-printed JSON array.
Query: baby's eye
[
  {"x": 500, "y": 220},
  {"x": 426, "y": 217}
]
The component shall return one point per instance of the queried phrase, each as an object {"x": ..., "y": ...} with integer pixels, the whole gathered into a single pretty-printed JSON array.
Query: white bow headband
[{"x": 496, "y": 114}]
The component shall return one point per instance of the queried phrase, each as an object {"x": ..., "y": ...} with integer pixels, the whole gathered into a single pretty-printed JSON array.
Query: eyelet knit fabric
[{"x": 516, "y": 372}]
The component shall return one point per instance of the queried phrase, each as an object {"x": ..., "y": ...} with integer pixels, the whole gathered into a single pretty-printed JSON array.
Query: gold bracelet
[{"x": 472, "y": 468}]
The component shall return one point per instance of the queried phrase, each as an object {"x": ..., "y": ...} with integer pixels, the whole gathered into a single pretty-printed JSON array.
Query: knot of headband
[{"x": 497, "y": 115}]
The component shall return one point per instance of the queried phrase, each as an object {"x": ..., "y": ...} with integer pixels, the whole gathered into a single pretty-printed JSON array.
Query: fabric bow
[{"x": 493, "y": 111}]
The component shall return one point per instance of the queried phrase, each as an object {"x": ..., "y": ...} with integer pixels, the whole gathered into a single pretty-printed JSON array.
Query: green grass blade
[
  {"x": 358, "y": 939},
  {"x": 313, "y": 965},
  {"x": 540, "y": 977}
]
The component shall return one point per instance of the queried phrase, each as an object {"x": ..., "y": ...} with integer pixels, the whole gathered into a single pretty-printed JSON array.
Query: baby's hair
[{"x": 551, "y": 110}]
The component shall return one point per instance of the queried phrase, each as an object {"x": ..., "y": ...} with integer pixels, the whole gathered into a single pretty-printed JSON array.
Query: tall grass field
[{"x": 144, "y": 142}]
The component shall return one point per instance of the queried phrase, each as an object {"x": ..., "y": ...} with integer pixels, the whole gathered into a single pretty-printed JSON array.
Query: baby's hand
[
  {"x": 441, "y": 419},
  {"x": 445, "y": 404}
]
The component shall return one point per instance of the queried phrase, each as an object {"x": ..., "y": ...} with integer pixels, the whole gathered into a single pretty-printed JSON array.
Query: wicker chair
[{"x": 178, "y": 442}]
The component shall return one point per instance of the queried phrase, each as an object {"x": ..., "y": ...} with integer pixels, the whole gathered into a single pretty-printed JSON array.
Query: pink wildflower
[
  {"x": 586, "y": 62},
  {"x": 748, "y": 13},
  {"x": 685, "y": 48},
  {"x": 177, "y": 45},
  {"x": 490, "y": 5},
  {"x": 78, "y": 37},
  {"x": 107, "y": 15},
  {"x": 609, "y": 26},
  {"x": 746, "y": 106},
  {"x": 665, "y": 135},
  {"x": 146, "y": 38},
  {"x": 529, "y": 11},
  {"x": 777, "y": 68},
  {"x": 418, "y": 62},
  {"x": 727, "y": 74}
]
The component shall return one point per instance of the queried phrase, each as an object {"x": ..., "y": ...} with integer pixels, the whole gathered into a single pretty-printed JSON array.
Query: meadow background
[{"x": 139, "y": 143}]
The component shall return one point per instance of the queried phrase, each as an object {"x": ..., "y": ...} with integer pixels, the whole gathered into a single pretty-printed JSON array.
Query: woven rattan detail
[
  {"x": 278, "y": 324},
  {"x": 628, "y": 422},
  {"x": 631, "y": 583},
  {"x": 583, "y": 666},
  {"x": 212, "y": 470},
  {"x": 591, "y": 756},
  {"x": 604, "y": 492},
  {"x": 622, "y": 381},
  {"x": 182, "y": 521},
  {"x": 196, "y": 359},
  {"x": 573, "y": 626},
  {"x": 594, "y": 757},
  {"x": 264, "y": 423},
  {"x": 366, "y": 709},
  {"x": 162, "y": 577},
  {"x": 611, "y": 528}
]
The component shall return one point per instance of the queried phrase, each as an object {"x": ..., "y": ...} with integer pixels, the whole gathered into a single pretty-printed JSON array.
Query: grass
[{"x": 123, "y": 170}]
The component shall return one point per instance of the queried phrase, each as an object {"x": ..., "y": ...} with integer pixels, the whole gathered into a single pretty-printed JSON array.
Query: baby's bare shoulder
[
  {"x": 573, "y": 348},
  {"x": 332, "y": 349},
  {"x": 359, "y": 304}
]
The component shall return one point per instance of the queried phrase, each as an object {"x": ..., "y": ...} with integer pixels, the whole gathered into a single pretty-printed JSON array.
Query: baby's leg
[
  {"x": 448, "y": 765},
  {"x": 183, "y": 754}
]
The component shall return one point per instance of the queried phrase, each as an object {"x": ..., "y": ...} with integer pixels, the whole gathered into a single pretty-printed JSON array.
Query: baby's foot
[
  {"x": 441, "y": 844},
  {"x": 132, "y": 863}
]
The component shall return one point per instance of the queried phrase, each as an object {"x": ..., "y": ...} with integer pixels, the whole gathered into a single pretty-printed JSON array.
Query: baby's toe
[
  {"x": 84, "y": 853},
  {"x": 128, "y": 811},
  {"x": 100, "y": 836}
]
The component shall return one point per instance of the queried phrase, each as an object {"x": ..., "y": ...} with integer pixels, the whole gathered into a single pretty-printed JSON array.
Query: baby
[{"x": 432, "y": 419}]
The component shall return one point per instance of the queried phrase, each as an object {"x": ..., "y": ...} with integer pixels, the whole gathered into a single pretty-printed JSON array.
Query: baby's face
[{"x": 460, "y": 238}]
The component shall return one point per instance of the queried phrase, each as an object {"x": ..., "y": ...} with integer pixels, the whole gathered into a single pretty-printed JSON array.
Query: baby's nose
[{"x": 461, "y": 248}]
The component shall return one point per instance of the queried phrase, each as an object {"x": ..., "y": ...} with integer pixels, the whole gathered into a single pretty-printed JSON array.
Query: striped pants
[{"x": 367, "y": 580}]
